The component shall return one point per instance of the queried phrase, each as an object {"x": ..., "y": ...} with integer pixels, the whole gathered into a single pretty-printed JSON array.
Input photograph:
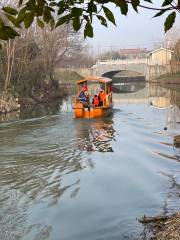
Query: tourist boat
[{"x": 94, "y": 85}]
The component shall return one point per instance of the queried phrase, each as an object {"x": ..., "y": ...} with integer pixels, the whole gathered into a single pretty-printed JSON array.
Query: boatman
[{"x": 84, "y": 96}]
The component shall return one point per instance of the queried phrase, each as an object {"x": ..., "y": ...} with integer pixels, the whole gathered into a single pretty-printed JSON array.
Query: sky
[{"x": 132, "y": 31}]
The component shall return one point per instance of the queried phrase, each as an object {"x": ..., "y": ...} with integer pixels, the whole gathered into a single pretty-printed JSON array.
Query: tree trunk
[{"x": 10, "y": 51}]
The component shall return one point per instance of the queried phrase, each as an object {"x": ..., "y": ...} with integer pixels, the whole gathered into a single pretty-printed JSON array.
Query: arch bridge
[
  {"x": 133, "y": 68},
  {"x": 133, "y": 65},
  {"x": 142, "y": 69}
]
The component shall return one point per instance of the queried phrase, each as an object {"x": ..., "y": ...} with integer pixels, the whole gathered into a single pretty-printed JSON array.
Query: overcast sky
[{"x": 134, "y": 30}]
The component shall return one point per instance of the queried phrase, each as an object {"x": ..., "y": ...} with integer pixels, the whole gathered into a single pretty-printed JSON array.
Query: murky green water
[{"x": 65, "y": 179}]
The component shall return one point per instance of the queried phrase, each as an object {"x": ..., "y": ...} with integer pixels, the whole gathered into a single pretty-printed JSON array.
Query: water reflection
[
  {"x": 40, "y": 176},
  {"x": 35, "y": 111},
  {"x": 96, "y": 135},
  {"x": 39, "y": 164},
  {"x": 158, "y": 96},
  {"x": 167, "y": 98},
  {"x": 67, "y": 104},
  {"x": 128, "y": 87}
]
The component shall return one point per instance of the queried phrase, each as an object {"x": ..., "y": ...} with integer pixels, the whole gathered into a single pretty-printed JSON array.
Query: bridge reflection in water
[{"x": 158, "y": 96}]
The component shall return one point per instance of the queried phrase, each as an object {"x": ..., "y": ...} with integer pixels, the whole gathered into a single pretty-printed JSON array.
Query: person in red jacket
[
  {"x": 95, "y": 101},
  {"x": 102, "y": 97}
]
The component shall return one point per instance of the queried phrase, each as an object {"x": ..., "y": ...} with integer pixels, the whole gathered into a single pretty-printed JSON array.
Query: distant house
[
  {"x": 133, "y": 52},
  {"x": 160, "y": 55}
]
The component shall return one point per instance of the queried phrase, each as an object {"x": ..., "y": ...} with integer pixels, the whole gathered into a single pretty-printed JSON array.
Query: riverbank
[
  {"x": 13, "y": 101},
  {"x": 162, "y": 227},
  {"x": 48, "y": 93},
  {"x": 66, "y": 82},
  {"x": 60, "y": 88},
  {"x": 169, "y": 229},
  {"x": 167, "y": 79},
  {"x": 67, "y": 77}
]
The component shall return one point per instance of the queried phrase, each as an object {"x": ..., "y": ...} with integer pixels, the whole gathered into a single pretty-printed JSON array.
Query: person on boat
[
  {"x": 84, "y": 96},
  {"x": 102, "y": 97},
  {"x": 110, "y": 88},
  {"x": 95, "y": 101}
]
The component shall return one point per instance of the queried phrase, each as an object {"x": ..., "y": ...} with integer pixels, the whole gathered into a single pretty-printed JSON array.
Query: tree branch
[{"x": 152, "y": 8}]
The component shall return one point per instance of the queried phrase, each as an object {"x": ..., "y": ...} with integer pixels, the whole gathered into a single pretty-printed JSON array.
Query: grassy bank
[
  {"x": 67, "y": 77},
  {"x": 168, "y": 78}
]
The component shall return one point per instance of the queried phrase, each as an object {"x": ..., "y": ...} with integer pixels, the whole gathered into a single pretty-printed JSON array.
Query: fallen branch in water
[{"x": 145, "y": 219}]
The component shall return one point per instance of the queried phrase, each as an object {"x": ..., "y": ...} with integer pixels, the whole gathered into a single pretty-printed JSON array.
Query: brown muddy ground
[{"x": 159, "y": 228}]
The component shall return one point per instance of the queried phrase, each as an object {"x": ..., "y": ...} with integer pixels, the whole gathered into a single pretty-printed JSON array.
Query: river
[{"x": 63, "y": 178}]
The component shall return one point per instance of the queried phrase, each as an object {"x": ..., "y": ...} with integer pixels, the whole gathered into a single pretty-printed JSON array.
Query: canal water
[{"x": 63, "y": 178}]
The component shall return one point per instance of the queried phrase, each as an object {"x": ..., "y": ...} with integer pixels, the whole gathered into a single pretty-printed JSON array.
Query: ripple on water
[{"x": 104, "y": 173}]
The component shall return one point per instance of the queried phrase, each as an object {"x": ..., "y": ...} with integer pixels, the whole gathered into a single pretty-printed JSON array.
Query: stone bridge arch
[
  {"x": 103, "y": 67},
  {"x": 124, "y": 75}
]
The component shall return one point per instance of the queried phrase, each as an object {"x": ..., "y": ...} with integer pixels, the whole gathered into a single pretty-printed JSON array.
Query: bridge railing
[
  {"x": 130, "y": 61},
  {"x": 122, "y": 61}
]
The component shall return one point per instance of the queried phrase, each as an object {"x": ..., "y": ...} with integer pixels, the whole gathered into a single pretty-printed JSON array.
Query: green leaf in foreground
[
  {"x": 40, "y": 23},
  {"x": 169, "y": 21},
  {"x": 47, "y": 14},
  {"x": 62, "y": 20},
  {"x": 28, "y": 20},
  {"x": 102, "y": 20},
  {"x": 13, "y": 20},
  {"x": 109, "y": 15},
  {"x": 1, "y": 23},
  {"x": 4, "y": 36},
  {"x": 21, "y": 16},
  {"x": 10, "y": 10},
  {"x": 123, "y": 6},
  {"x": 166, "y": 2},
  {"x": 88, "y": 30},
  {"x": 135, "y": 4},
  {"x": 8, "y": 33},
  {"x": 159, "y": 13},
  {"x": 76, "y": 23}
]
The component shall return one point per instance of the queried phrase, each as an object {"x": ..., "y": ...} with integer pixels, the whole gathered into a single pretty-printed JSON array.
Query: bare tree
[
  {"x": 10, "y": 52},
  {"x": 56, "y": 46},
  {"x": 53, "y": 46},
  {"x": 30, "y": 59},
  {"x": 173, "y": 42}
]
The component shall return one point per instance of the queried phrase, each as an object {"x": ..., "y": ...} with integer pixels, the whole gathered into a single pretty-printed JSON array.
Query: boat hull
[{"x": 80, "y": 112}]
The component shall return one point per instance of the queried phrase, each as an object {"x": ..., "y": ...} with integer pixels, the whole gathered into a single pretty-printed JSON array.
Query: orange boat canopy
[{"x": 95, "y": 79}]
